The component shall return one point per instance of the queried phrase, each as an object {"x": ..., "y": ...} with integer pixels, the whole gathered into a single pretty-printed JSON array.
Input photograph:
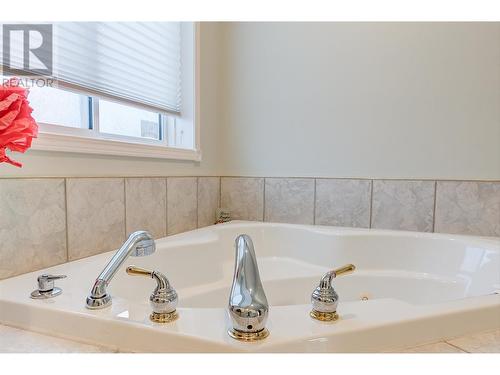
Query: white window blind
[{"x": 139, "y": 62}]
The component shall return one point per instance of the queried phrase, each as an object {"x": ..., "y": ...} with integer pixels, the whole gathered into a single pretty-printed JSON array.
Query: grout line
[
  {"x": 494, "y": 180},
  {"x": 197, "y": 202},
  {"x": 66, "y": 216},
  {"x": 264, "y": 201},
  {"x": 125, "y": 206},
  {"x": 100, "y": 177},
  {"x": 371, "y": 204},
  {"x": 369, "y": 178},
  {"x": 220, "y": 191},
  {"x": 166, "y": 206},
  {"x": 314, "y": 203},
  {"x": 219, "y": 205},
  {"x": 434, "y": 209},
  {"x": 455, "y": 346}
]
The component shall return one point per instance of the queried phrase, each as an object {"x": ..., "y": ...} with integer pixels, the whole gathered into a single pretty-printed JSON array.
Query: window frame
[{"x": 90, "y": 141}]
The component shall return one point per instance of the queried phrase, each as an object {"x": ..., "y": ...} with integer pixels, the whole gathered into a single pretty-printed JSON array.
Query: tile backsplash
[
  {"x": 289, "y": 200},
  {"x": 95, "y": 215},
  {"x": 404, "y": 205},
  {"x": 457, "y": 207},
  {"x": 182, "y": 204},
  {"x": 208, "y": 200},
  {"x": 32, "y": 225},
  {"x": 244, "y": 197},
  {"x": 344, "y": 203},
  {"x": 146, "y": 205},
  {"x": 468, "y": 207},
  {"x": 48, "y": 221}
]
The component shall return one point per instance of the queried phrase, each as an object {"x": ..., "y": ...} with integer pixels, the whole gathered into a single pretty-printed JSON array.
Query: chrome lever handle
[
  {"x": 51, "y": 277},
  {"x": 164, "y": 298},
  {"x": 344, "y": 270},
  {"x": 138, "y": 271},
  {"x": 161, "y": 281},
  {"x": 326, "y": 280}
]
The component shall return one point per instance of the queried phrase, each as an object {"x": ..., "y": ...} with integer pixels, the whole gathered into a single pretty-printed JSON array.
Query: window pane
[
  {"x": 130, "y": 121},
  {"x": 59, "y": 107}
]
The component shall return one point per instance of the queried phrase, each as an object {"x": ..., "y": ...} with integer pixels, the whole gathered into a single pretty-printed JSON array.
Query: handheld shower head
[
  {"x": 139, "y": 244},
  {"x": 144, "y": 248}
]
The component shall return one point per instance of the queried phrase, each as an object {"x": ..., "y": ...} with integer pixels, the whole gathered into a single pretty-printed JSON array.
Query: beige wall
[
  {"x": 361, "y": 100},
  {"x": 332, "y": 100},
  {"x": 38, "y": 163}
]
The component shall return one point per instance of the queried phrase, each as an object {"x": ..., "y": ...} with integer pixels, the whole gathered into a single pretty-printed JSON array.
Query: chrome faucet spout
[
  {"x": 248, "y": 306},
  {"x": 139, "y": 243}
]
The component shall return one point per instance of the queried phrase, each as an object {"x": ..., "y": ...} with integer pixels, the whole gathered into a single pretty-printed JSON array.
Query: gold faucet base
[
  {"x": 164, "y": 317},
  {"x": 248, "y": 336},
  {"x": 324, "y": 316}
]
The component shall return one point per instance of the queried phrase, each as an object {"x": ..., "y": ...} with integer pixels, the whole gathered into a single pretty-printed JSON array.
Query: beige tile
[
  {"x": 146, "y": 205},
  {"x": 243, "y": 197},
  {"x": 208, "y": 200},
  {"x": 289, "y": 200},
  {"x": 439, "y": 347},
  {"x": 32, "y": 225},
  {"x": 404, "y": 205},
  {"x": 468, "y": 207},
  {"x": 487, "y": 342},
  {"x": 96, "y": 215},
  {"x": 182, "y": 204},
  {"x": 343, "y": 203},
  {"x": 13, "y": 340}
]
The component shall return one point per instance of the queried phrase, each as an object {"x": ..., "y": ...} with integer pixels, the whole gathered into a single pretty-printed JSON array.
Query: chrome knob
[
  {"x": 46, "y": 288},
  {"x": 324, "y": 299},
  {"x": 164, "y": 298}
]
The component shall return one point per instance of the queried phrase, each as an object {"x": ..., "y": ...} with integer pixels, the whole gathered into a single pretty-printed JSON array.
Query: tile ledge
[
  {"x": 480, "y": 342},
  {"x": 16, "y": 340}
]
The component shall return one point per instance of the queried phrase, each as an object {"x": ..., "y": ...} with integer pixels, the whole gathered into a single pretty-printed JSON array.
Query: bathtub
[{"x": 408, "y": 288}]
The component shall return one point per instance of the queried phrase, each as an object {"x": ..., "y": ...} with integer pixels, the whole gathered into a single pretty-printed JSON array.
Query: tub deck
[{"x": 408, "y": 289}]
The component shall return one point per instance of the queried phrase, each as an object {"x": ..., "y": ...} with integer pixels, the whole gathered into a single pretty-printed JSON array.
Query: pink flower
[{"x": 17, "y": 126}]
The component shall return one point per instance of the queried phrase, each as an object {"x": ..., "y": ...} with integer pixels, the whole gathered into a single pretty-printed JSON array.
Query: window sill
[{"x": 101, "y": 146}]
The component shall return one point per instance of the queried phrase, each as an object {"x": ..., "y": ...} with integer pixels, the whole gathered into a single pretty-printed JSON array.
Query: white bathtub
[{"x": 420, "y": 288}]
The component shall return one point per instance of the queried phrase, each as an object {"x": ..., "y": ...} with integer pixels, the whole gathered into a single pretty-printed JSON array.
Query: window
[
  {"x": 123, "y": 88},
  {"x": 58, "y": 107},
  {"x": 128, "y": 121},
  {"x": 101, "y": 118}
]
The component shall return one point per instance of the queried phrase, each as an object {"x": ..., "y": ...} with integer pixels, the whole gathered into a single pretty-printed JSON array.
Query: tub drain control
[{"x": 46, "y": 288}]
